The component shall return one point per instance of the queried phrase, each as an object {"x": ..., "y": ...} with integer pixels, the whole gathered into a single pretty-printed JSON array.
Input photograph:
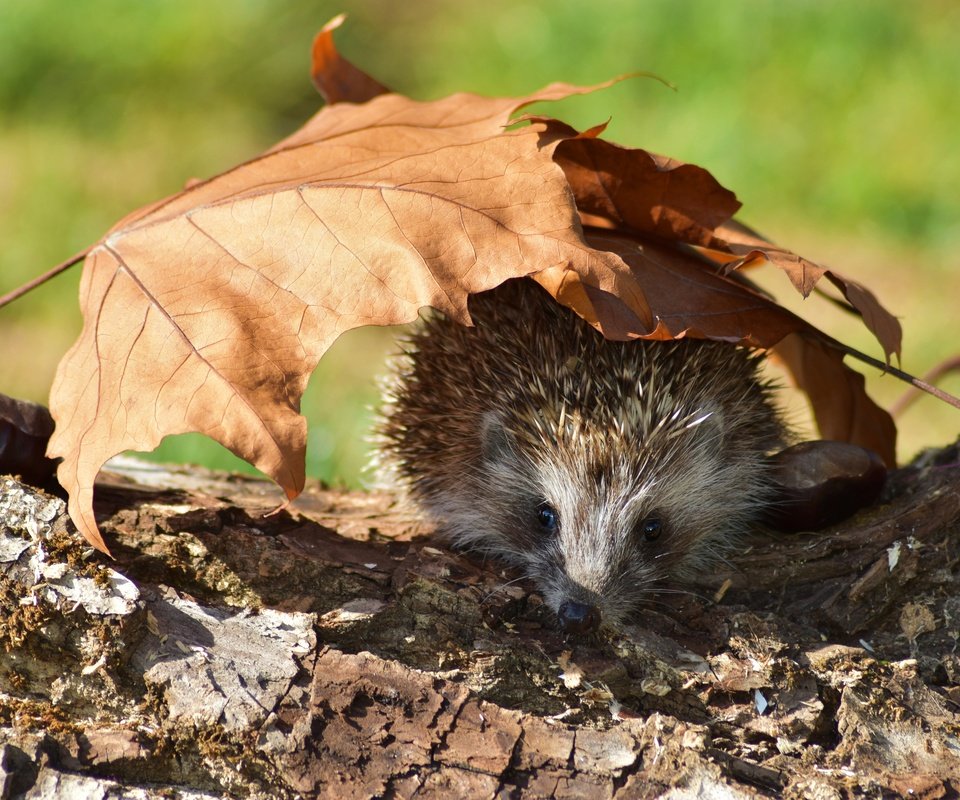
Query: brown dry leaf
[
  {"x": 209, "y": 310},
  {"x": 843, "y": 410},
  {"x": 637, "y": 191},
  {"x": 690, "y": 297},
  {"x": 750, "y": 249},
  {"x": 669, "y": 293}
]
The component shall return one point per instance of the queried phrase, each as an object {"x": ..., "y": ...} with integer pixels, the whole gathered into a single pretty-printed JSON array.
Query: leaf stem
[
  {"x": 934, "y": 375},
  {"x": 33, "y": 283},
  {"x": 918, "y": 383}
]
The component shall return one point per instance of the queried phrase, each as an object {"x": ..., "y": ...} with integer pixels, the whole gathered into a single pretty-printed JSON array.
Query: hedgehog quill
[{"x": 600, "y": 468}]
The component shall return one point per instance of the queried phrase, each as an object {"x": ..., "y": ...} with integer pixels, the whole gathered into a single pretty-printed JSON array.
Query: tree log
[{"x": 333, "y": 649}]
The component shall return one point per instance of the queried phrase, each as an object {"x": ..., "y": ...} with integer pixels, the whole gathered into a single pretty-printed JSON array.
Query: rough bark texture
[{"x": 332, "y": 650}]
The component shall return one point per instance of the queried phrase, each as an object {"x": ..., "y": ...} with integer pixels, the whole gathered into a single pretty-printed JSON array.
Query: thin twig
[
  {"x": 906, "y": 377},
  {"x": 934, "y": 375},
  {"x": 9, "y": 297}
]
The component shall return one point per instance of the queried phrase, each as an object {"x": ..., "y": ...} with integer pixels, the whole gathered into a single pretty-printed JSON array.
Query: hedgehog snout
[
  {"x": 578, "y": 618},
  {"x": 576, "y": 596}
]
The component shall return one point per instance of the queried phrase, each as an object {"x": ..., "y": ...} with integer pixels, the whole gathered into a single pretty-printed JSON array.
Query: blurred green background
[{"x": 836, "y": 124}]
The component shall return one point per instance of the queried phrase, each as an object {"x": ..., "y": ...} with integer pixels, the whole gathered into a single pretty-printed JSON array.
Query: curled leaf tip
[
  {"x": 334, "y": 23},
  {"x": 337, "y": 79}
]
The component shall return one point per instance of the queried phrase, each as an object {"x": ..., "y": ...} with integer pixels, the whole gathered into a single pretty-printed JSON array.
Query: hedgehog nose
[{"x": 578, "y": 617}]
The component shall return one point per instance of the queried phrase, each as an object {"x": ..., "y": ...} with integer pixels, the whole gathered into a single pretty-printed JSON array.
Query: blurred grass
[{"x": 836, "y": 124}]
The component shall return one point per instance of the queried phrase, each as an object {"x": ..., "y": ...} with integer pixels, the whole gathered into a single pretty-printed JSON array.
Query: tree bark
[{"x": 332, "y": 649}]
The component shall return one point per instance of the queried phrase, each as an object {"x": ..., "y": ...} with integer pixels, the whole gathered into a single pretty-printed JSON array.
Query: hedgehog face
[{"x": 597, "y": 521}]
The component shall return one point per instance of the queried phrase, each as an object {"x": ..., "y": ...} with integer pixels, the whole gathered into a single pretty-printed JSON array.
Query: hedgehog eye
[
  {"x": 547, "y": 517},
  {"x": 651, "y": 527}
]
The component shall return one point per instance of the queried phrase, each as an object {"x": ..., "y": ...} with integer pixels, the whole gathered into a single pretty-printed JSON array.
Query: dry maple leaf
[
  {"x": 209, "y": 310},
  {"x": 635, "y": 191},
  {"x": 652, "y": 207}
]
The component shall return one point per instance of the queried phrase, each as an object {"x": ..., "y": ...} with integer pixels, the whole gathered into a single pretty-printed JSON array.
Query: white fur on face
[{"x": 603, "y": 489}]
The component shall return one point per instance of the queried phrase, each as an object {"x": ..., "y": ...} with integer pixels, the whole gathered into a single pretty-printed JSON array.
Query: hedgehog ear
[{"x": 495, "y": 443}]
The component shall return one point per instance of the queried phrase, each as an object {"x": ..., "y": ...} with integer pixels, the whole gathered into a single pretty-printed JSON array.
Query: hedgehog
[{"x": 600, "y": 468}]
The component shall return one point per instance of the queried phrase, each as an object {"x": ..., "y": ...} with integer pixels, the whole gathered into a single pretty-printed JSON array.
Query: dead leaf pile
[{"x": 209, "y": 310}]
